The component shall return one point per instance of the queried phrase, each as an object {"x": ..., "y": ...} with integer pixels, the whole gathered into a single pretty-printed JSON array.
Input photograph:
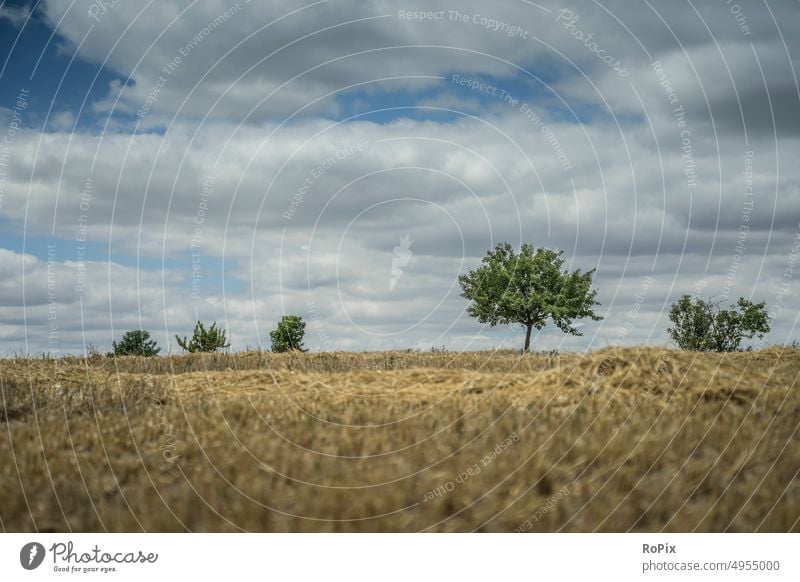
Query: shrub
[
  {"x": 289, "y": 334},
  {"x": 204, "y": 340},
  {"x": 702, "y": 326},
  {"x": 135, "y": 343}
]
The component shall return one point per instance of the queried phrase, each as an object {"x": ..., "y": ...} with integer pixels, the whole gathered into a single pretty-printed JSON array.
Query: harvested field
[{"x": 639, "y": 439}]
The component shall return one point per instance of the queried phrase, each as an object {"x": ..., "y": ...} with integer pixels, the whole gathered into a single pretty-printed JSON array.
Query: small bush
[
  {"x": 702, "y": 326},
  {"x": 204, "y": 340},
  {"x": 134, "y": 343},
  {"x": 289, "y": 334}
]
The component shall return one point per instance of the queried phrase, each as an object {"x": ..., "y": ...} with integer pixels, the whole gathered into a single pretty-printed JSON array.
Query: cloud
[
  {"x": 16, "y": 15},
  {"x": 274, "y": 150}
]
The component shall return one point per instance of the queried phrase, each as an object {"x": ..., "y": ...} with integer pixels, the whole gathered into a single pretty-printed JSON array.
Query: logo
[
  {"x": 31, "y": 555},
  {"x": 402, "y": 256}
]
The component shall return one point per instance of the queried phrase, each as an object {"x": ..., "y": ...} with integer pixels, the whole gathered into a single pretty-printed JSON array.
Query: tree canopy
[
  {"x": 703, "y": 326},
  {"x": 289, "y": 334},
  {"x": 528, "y": 289},
  {"x": 135, "y": 343}
]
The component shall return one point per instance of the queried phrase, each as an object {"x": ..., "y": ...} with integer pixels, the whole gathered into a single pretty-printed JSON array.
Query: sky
[{"x": 173, "y": 161}]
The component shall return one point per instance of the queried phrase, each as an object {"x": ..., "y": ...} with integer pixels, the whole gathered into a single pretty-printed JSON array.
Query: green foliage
[
  {"x": 134, "y": 343},
  {"x": 702, "y": 326},
  {"x": 289, "y": 334},
  {"x": 528, "y": 289},
  {"x": 204, "y": 340}
]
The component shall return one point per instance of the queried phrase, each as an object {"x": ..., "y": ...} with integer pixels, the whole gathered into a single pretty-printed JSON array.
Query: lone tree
[
  {"x": 702, "y": 326},
  {"x": 204, "y": 340},
  {"x": 135, "y": 343},
  {"x": 289, "y": 334},
  {"x": 528, "y": 289}
]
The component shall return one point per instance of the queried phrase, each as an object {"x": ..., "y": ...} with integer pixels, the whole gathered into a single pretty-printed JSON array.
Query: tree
[
  {"x": 204, "y": 340},
  {"x": 289, "y": 334},
  {"x": 135, "y": 343},
  {"x": 528, "y": 289},
  {"x": 702, "y": 326}
]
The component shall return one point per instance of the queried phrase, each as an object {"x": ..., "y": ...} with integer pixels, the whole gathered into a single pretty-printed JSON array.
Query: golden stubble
[{"x": 640, "y": 439}]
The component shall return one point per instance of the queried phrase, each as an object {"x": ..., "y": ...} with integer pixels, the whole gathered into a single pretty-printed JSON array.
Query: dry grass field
[{"x": 640, "y": 439}]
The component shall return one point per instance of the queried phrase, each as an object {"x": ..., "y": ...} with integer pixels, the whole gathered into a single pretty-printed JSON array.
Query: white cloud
[
  {"x": 16, "y": 15},
  {"x": 304, "y": 213}
]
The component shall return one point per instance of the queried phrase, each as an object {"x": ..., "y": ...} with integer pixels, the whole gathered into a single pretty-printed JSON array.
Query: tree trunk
[{"x": 529, "y": 327}]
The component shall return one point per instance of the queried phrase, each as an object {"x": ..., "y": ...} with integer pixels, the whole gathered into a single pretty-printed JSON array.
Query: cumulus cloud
[
  {"x": 16, "y": 15},
  {"x": 273, "y": 152}
]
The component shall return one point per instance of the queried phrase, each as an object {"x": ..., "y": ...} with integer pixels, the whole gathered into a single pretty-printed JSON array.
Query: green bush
[
  {"x": 134, "y": 343},
  {"x": 702, "y": 326},
  {"x": 289, "y": 334},
  {"x": 204, "y": 340}
]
